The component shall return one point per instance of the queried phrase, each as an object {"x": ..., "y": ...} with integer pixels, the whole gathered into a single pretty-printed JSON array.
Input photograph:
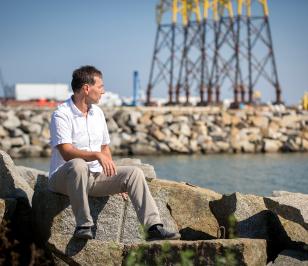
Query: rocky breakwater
[
  {"x": 258, "y": 230},
  {"x": 165, "y": 130},
  {"x": 25, "y": 132}
]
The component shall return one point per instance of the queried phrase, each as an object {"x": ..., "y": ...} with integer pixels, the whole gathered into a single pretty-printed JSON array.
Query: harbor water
[{"x": 225, "y": 173}]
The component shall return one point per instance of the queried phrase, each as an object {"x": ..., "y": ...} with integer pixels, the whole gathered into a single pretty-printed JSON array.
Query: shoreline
[{"x": 24, "y": 131}]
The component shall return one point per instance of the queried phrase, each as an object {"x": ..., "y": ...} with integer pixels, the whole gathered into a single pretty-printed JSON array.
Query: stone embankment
[
  {"x": 235, "y": 229},
  {"x": 166, "y": 130}
]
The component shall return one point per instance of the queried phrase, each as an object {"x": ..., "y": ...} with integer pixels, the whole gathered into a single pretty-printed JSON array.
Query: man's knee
[
  {"x": 137, "y": 173},
  {"x": 77, "y": 165}
]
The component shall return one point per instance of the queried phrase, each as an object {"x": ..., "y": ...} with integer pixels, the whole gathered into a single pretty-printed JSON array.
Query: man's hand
[
  {"x": 108, "y": 165},
  {"x": 69, "y": 152},
  {"x": 124, "y": 196}
]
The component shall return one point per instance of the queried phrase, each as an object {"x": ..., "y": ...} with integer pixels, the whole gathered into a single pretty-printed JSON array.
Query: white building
[{"x": 28, "y": 91}]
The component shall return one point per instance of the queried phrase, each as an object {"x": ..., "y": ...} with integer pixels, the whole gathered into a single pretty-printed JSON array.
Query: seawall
[{"x": 24, "y": 131}]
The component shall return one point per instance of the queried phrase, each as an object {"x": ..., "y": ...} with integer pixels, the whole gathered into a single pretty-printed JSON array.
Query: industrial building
[{"x": 35, "y": 91}]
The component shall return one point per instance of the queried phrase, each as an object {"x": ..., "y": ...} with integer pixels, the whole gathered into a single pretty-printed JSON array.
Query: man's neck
[{"x": 81, "y": 104}]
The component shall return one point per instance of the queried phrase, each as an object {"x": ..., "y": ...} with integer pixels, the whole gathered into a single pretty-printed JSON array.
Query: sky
[{"x": 43, "y": 41}]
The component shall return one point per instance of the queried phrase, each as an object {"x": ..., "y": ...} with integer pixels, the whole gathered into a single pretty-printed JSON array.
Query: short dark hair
[{"x": 84, "y": 75}]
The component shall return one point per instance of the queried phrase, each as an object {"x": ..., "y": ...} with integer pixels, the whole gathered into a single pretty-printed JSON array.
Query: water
[{"x": 226, "y": 173}]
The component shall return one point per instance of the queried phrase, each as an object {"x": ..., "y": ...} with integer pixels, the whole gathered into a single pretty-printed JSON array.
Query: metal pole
[
  {"x": 171, "y": 64},
  {"x": 149, "y": 89},
  {"x": 203, "y": 42},
  {"x": 237, "y": 62},
  {"x": 277, "y": 86},
  {"x": 250, "y": 89}
]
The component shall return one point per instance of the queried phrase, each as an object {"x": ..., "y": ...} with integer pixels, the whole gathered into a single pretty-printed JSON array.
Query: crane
[{"x": 7, "y": 89}]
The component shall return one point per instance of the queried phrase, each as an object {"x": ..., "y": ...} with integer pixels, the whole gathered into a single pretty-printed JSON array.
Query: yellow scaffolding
[{"x": 189, "y": 9}]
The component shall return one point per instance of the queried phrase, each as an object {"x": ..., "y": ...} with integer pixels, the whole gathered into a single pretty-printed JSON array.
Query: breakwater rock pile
[
  {"x": 165, "y": 130},
  {"x": 235, "y": 229}
]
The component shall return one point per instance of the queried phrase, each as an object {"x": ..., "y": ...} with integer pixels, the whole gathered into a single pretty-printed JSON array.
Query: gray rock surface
[
  {"x": 291, "y": 258},
  {"x": 242, "y": 215},
  {"x": 147, "y": 169},
  {"x": 113, "y": 217},
  {"x": 68, "y": 251},
  {"x": 292, "y": 212},
  {"x": 291, "y": 206},
  {"x": 247, "y": 216},
  {"x": 203, "y": 252},
  {"x": 12, "y": 185},
  {"x": 31, "y": 175},
  {"x": 116, "y": 219}
]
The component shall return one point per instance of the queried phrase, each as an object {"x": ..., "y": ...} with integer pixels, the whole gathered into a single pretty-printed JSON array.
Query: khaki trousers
[{"x": 76, "y": 181}]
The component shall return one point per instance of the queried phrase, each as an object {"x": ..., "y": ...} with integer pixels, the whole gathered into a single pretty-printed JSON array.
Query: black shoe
[
  {"x": 83, "y": 232},
  {"x": 157, "y": 232}
]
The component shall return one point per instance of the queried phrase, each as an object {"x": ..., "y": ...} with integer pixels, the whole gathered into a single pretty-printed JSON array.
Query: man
[{"x": 81, "y": 163}]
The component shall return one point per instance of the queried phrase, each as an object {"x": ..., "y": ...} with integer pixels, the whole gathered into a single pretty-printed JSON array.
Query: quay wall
[{"x": 24, "y": 131}]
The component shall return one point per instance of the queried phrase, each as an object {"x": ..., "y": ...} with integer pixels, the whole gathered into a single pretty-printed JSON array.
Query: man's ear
[{"x": 85, "y": 88}]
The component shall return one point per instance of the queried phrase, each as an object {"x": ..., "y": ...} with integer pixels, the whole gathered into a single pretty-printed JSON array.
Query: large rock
[
  {"x": 29, "y": 127},
  {"x": 194, "y": 218},
  {"x": 291, "y": 258},
  {"x": 116, "y": 220},
  {"x": 289, "y": 121},
  {"x": 281, "y": 220},
  {"x": 176, "y": 145},
  {"x": 67, "y": 250},
  {"x": 147, "y": 169},
  {"x": 292, "y": 206},
  {"x": 3, "y": 132},
  {"x": 31, "y": 151},
  {"x": 242, "y": 215},
  {"x": 204, "y": 252},
  {"x": 159, "y": 120},
  {"x": 292, "y": 212},
  {"x": 260, "y": 121},
  {"x": 247, "y": 216},
  {"x": 12, "y": 185},
  {"x": 142, "y": 149},
  {"x": 270, "y": 145},
  {"x": 11, "y": 123},
  {"x": 31, "y": 175}
]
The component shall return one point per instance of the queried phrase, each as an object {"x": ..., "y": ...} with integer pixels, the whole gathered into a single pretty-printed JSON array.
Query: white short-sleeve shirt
[{"x": 68, "y": 125}]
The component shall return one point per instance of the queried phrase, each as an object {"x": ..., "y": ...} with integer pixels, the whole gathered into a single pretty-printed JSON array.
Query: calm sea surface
[{"x": 226, "y": 173}]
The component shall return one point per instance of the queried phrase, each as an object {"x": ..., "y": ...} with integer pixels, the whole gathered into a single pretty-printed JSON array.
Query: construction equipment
[
  {"x": 6, "y": 89},
  {"x": 212, "y": 48},
  {"x": 136, "y": 89}
]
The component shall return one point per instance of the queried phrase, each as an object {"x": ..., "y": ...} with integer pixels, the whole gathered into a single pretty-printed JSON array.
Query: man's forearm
[
  {"x": 69, "y": 152},
  {"x": 106, "y": 151}
]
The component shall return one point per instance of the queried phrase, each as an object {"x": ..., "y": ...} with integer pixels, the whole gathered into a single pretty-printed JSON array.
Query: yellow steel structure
[
  {"x": 265, "y": 7},
  {"x": 193, "y": 7},
  {"x": 240, "y": 4},
  {"x": 305, "y": 101},
  {"x": 187, "y": 8}
]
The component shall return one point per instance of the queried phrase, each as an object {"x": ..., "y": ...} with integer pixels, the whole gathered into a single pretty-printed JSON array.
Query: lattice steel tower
[{"x": 210, "y": 49}]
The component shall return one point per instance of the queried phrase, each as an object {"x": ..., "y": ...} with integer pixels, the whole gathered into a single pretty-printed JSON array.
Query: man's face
[{"x": 95, "y": 91}]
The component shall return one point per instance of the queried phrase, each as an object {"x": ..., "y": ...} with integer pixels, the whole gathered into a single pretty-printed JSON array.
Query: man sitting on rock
[{"x": 81, "y": 163}]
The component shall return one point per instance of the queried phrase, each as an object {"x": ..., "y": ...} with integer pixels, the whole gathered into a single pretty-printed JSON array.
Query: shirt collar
[{"x": 75, "y": 110}]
